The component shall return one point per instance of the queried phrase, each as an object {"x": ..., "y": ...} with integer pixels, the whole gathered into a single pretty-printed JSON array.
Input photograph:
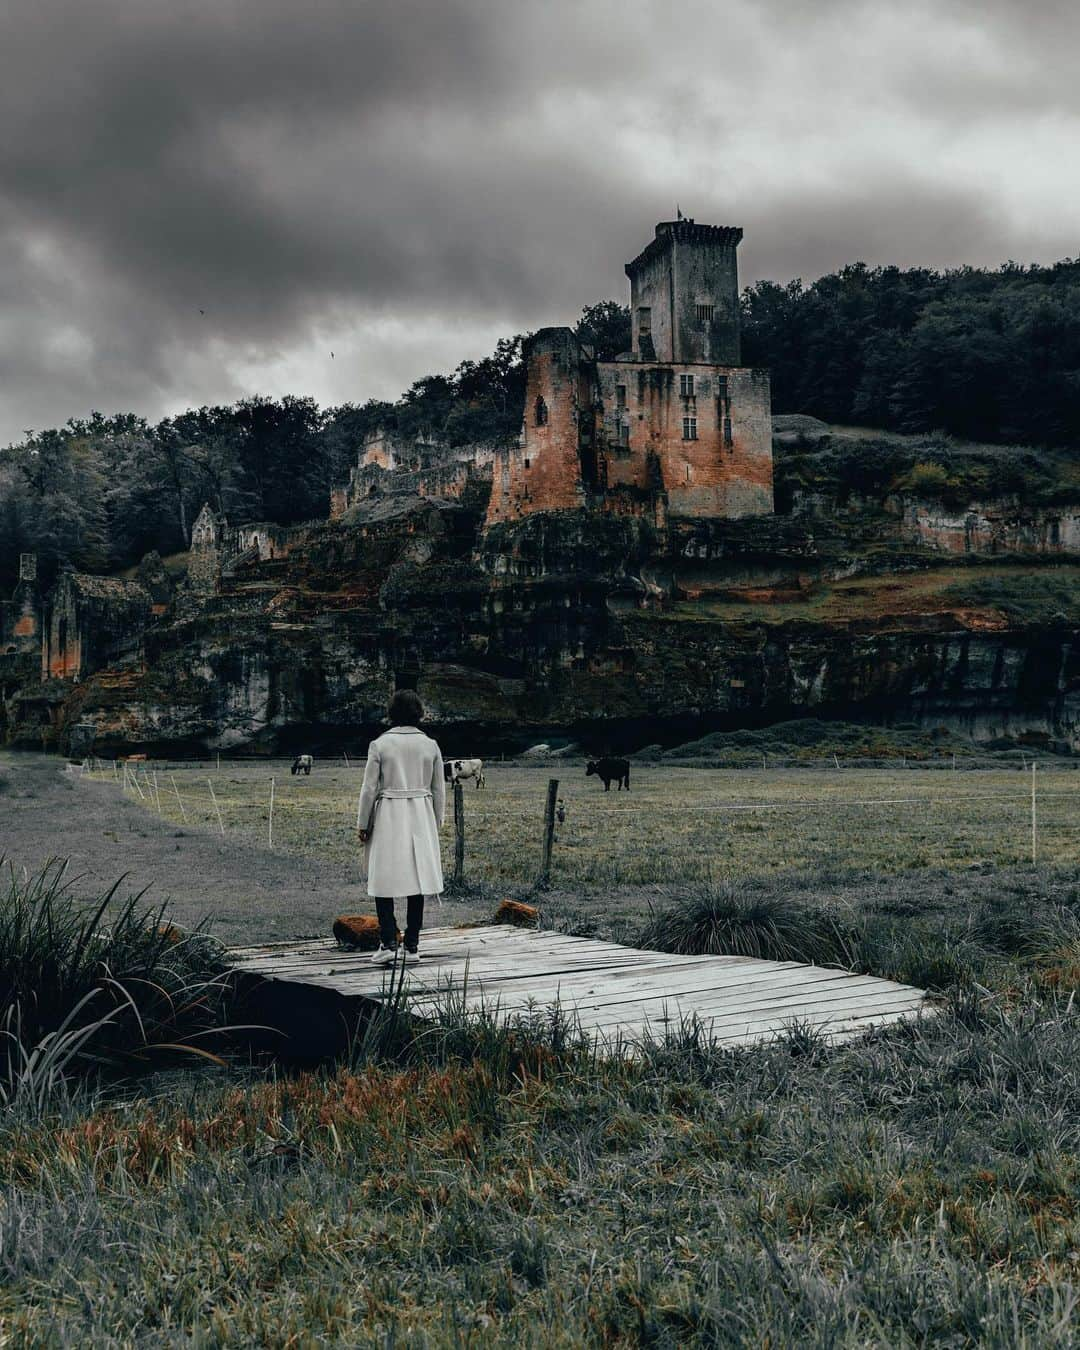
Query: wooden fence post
[
  {"x": 270, "y": 835},
  {"x": 1034, "y": 836},
  {"x": 213, "y": 798},
  {"x": 459, "y": 834},
  {"x": 179, "y": 799},
  {"x": 549, "y": 830}
]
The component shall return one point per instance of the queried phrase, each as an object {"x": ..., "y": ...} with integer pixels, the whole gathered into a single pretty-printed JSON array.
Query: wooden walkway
[{"x": 613, "y": 991}]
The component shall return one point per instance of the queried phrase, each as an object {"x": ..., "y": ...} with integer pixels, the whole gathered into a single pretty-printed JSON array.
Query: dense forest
[{"x": 986, "y": 355}]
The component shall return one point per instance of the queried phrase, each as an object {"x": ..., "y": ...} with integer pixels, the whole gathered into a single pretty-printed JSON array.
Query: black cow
[{"x": 609, "y": 769}]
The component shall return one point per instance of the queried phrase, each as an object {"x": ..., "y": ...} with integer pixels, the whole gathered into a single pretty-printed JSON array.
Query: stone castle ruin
[
  {"x": 19, "y": 616},
  {"x": 674, "y": 426}
]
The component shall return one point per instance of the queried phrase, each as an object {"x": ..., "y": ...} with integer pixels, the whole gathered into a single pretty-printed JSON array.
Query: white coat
[{"x": 402, "y": 804}]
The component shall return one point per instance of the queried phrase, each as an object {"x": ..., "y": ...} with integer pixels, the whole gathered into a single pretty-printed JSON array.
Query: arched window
[{"x": 541, "y": 412}]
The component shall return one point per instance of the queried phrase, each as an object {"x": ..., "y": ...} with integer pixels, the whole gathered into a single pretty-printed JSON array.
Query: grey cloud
[{"x": 295, "y": 169}]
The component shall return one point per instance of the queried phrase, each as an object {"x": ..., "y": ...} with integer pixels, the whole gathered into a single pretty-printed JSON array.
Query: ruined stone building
[
  {"x": 675, "y": 426},
  {"x": 90, "y": 622},
  {"x": 218, "y": 547},
  {"x": 424, "y": 466},
  {"x": 20, "y": 619}
]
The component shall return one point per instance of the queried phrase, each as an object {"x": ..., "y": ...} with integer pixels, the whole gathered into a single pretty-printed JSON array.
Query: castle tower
[
  {"x": 673, "y": 429},
  {"x": 684, "y": 295},
  {"x": 204, "y": 559}
]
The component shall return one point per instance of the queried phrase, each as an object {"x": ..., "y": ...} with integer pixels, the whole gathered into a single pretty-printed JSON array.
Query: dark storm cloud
[{"x": 403, "y": 180}]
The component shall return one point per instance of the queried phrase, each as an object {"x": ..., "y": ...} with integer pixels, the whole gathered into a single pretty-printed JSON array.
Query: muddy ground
[{"x": 249, "y": 893}]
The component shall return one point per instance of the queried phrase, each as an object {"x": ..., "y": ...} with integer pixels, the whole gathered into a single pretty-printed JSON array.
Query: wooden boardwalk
[{"x": 613, "y": 991}]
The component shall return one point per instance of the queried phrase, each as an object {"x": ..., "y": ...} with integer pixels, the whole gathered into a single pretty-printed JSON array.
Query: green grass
[
  {"x": 1003, "y": 592},
  {"x": 95, "y": 983}
]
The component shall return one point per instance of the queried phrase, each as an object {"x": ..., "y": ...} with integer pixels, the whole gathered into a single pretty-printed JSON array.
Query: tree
[{"x": 605, "y": 327}]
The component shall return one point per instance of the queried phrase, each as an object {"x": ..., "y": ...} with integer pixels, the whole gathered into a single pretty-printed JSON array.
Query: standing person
[{"x": 402, "y": 804}]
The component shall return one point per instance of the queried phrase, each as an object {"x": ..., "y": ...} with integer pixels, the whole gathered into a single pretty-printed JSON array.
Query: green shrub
[
  {"x": 720, "y": 919},
  {"x": 75, "y": 995}
]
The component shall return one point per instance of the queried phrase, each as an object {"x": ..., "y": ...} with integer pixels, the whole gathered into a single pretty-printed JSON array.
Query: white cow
[{"x": 458, "y": 770}]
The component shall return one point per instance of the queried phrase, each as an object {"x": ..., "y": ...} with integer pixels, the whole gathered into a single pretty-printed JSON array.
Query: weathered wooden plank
[
  {"x": 721, "y": 1014},
  {"x": 611, "y": 990},
  {"x": 708, "y": 1005},
  {"x": 631, "y": 985}
]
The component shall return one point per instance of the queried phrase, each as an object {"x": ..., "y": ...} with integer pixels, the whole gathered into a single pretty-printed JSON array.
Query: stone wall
[
  {"x": 989, "y": 527},
  {"x": 544, "y": 472},
  {"x": 726, "y": 470},
  {"x": 90, "y": 622},
  {"x": 19, "y": 617},
  {"x": 424, "y": 467},
  {"x": 636, "y": 437}
]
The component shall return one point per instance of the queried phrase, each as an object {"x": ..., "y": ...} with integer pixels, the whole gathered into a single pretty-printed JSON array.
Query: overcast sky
[{"x": 202, "y": 199}]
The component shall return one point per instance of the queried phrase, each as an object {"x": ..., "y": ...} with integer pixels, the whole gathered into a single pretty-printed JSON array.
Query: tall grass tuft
[
  {"x": 77, "y": 996},
  {"x": 717, "y": 918}
]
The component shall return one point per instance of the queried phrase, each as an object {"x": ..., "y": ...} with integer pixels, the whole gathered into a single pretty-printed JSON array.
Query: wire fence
[{"x": 676, "y": 822}]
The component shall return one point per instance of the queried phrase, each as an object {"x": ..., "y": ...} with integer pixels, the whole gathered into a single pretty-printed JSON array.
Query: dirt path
[{"x": 249, "y": 893}]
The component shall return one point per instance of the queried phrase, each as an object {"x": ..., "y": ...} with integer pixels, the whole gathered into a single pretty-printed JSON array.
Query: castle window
[
  {"x": 624, "y": 435},
  {"x": 644, "y": 320},
  {"x": 620, "y": 396},
  {"x": 689, "y": 428},
  {"x": 704, "y": 313},
  {"x": 686, "y": 386},
  {"x": 727, "y": 433},
  {"x": 721, "y": 387},
  {"x": 528, "y": 462},
  {"x": 541, "y": 412}
]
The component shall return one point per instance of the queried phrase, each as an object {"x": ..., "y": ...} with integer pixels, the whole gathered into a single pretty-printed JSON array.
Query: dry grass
[
  {"x": 677, "y": 824},
  {"x": 992, "y": 595},
  {"x": 464, "y": 1184}
]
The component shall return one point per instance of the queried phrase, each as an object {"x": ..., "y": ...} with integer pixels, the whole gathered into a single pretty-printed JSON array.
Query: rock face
[
  {"x": 609, "y": 629},
  {"x": 561, "y": 625}
]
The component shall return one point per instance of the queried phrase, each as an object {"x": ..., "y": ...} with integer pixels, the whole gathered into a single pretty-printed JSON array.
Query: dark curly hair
[{"x": 406, "y": 710}]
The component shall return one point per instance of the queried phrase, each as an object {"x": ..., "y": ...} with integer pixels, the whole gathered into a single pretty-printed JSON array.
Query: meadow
[
  {"x": 461, "y": 1183},
  {"x": 676, "y": 823}
]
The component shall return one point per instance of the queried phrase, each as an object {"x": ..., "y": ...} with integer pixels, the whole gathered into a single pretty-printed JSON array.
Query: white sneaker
[
  {"x": 412, "y": 958},
  {"x": 385, "y": 956}
]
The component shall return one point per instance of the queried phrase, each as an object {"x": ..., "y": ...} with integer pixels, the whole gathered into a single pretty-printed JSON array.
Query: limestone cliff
[{"x": 598, "y": 627}]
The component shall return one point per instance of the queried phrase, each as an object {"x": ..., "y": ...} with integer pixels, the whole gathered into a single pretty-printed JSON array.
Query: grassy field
[
  {"x": 993, "y": 595},
  {"x": 675, "y": 823},
  {"x": 464, "y": 1184}
]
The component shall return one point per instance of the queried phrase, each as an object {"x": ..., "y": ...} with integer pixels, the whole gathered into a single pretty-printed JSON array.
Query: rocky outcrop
[
  {"x": 612, "y": 629},
  {"x": 988, "y": 527},
  {"x": 561, "y": 630}
]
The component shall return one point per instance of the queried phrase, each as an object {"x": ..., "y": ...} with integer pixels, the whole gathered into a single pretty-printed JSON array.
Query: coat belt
[{"x": 402, "y": 794}]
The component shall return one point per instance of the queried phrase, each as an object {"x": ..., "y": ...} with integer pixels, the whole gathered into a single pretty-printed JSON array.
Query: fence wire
[{"x": 670, "y": 826}]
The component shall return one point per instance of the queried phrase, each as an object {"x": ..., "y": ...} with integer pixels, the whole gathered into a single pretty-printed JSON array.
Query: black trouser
[{"x": 414, "y": 921}]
